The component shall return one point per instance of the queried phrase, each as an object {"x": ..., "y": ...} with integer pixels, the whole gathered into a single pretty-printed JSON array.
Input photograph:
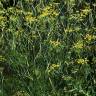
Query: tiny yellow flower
[
  {"x": 55, "y": 43},
  {"x": 69, "y": 30},
  {"x": 78, "y": 45},
  {"x": 66, "y": 78},
  {"x": 86, "y": 11},
  {"x": 44, "y": 14},
  {"x": 21, "y": 93},
  {"x": 82, "y": 61},
  {"x": 55, "y": 13},
  {"x": 29, "y": 18},
  {"x": 19, "y": 32},
  {"x": 48, "y": 11},
  {"x": 89, "y": 37},
  {"x": 53, "y": 67},
  {"x": 2, "y": 58}
]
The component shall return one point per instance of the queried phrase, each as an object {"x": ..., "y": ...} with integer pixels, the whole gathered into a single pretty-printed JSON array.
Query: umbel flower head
[
  {"x": 89, "y": 37},
  {"x": 49, "y": 11},
  {"x": 21, "y": 93},
  {"x": 53, "y": 67},
  {"x": 78, "y": 45},
  {"x": 82, "y": 61},
  {"x": 55, "y": 43}
]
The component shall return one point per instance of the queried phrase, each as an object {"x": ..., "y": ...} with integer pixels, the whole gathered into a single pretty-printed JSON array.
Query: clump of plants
[{"x": 48, "y": 48}]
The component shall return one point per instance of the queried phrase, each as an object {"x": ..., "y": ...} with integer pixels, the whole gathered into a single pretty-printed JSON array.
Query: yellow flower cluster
[
  {"x": 55, "y": 43},
  {"x": 78, "y": 45},
  {"x": 82, "y": 61},
  {"x": 66, "y": 78},
  {"x": 74, "y": 16},
  {"x": 84, "y": 13},
  {"x": 53, "y": 67},
  {"x": 2, "y": 58},
  {"x": 79, "y": 16},
  {"x": 19, "y": 11},
  {"x": 69, "y": 30},
  {"x": 19, "y": 32},
  {"x": 2, "y": 20},
  {"x": 49, "y": 11},
  {"x": 29, "y": 18},
  {"x": 89, "y": 37},
  {"x": 21, "y": 93}
]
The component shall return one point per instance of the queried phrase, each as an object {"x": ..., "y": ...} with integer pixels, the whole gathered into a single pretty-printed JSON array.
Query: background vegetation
[{"x": 47, "y": 48}]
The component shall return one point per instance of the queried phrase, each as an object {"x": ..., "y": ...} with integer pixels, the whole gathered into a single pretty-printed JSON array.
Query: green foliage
[{"x": 48, "y": 48}]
